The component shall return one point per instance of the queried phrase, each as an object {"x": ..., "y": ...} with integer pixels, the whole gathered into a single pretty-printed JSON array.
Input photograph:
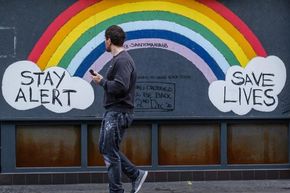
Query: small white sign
[
  {"x": 25, "y": 86},
  {"x": 255, "y": 86}
]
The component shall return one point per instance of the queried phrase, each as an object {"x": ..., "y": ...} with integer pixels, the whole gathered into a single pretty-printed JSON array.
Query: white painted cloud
[
  {"x": 25, "y": 86},
  {"x": 257, "y": 86}
]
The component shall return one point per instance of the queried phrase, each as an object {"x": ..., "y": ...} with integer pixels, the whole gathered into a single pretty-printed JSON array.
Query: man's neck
[{"x": 116, "y": 50}]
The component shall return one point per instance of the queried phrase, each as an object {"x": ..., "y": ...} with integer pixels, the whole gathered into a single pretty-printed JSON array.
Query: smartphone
[{"x": 92, "y": 72}]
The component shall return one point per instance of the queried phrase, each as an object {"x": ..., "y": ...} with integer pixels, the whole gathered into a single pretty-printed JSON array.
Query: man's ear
[{"x": 109, "y": 41}]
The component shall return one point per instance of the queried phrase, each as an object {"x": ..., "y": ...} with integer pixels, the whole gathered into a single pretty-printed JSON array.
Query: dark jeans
[{"x": 112, "y": 130}]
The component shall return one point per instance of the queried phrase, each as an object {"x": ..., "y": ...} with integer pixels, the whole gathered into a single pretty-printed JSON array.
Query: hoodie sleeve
[{"x": 121, "y": 78}]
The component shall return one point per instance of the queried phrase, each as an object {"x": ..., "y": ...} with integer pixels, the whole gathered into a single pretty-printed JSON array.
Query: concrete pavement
[{"x": 253, "y": 186}]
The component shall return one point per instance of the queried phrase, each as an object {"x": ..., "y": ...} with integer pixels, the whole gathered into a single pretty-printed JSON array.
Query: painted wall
[{"x": 195, "y": 59}]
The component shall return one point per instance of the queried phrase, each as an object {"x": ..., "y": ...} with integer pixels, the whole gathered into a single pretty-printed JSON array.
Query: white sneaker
[{"x": 137, "y": 184}]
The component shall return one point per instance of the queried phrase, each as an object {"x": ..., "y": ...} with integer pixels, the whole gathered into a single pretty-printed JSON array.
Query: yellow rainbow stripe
[{"x": 104, "y": 10}]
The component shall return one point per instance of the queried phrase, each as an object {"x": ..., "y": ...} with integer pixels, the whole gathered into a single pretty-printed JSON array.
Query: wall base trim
[{"x": 154, "y": 176}]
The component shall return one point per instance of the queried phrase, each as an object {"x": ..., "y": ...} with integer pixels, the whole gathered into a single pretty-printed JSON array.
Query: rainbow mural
[{"x": 205, "y": 32}]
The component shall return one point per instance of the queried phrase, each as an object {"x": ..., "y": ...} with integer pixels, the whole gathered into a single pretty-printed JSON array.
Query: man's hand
[{"x": 97, "y": 78}]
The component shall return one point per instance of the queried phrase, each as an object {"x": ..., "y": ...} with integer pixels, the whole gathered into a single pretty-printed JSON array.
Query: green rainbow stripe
[{"x": 148, "y": 16}]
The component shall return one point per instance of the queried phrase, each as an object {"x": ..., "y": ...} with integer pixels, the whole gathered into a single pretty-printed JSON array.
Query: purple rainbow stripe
[{"x": 196, "y": 60}]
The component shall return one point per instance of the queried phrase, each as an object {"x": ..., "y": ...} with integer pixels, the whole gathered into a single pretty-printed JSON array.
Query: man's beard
[{"x": 108, "y": 49}]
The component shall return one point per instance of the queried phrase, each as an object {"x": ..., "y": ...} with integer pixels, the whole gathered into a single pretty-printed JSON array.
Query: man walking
[{"x": 119, "y": 91}]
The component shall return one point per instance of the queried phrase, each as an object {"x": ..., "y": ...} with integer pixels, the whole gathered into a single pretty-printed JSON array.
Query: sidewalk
[{"x": 253, "y": 186}]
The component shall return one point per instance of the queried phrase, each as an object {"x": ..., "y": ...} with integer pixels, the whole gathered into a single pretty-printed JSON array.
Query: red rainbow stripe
[
  {"x": 80, "y": 5},
  {"x": 238, "y": 23},
  {"x": 53, "y": 28}
]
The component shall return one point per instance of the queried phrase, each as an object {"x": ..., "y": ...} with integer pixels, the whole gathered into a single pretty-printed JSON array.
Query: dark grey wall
[{"x": 27, "y": 20}]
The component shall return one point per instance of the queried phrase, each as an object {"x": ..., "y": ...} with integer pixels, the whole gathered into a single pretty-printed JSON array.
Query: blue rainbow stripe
[{"x": 161, "y": 34}]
